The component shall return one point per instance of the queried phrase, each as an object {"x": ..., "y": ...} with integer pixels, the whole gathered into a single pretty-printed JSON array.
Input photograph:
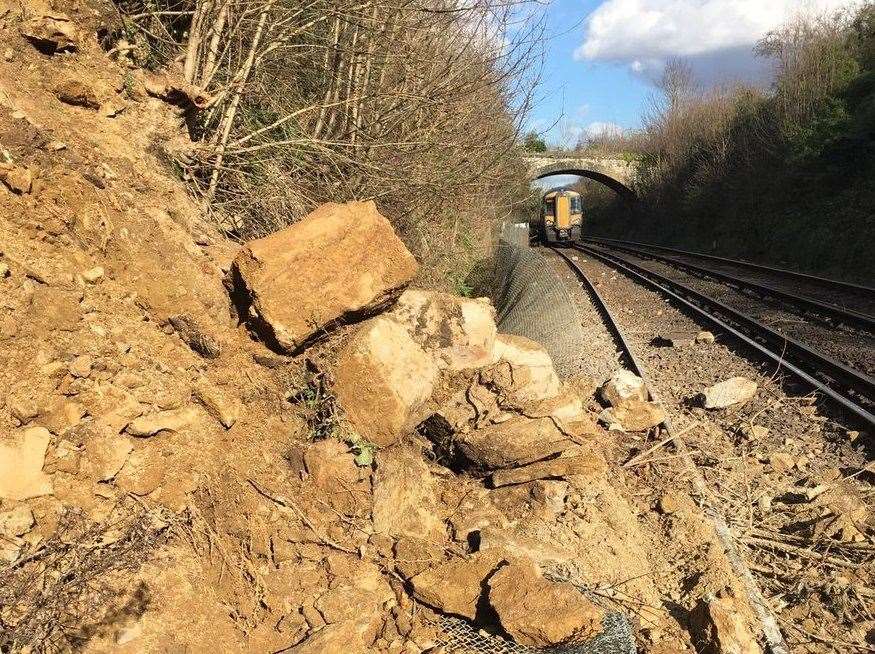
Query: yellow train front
[{"x": 561, "y": 217}]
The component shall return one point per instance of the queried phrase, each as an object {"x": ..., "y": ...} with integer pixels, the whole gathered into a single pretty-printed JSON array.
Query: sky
[{"x": 604, "y": 55}]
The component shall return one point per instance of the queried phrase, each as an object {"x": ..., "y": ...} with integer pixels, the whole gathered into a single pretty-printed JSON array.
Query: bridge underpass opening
[{"x": 618, "y": 187}]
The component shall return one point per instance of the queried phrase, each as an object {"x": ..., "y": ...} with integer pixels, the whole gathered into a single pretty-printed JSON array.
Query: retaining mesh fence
[{"x": 532, "y": 301}]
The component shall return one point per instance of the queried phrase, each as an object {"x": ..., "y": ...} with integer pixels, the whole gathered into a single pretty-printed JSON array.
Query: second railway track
[{"x": 852, "y": 389}]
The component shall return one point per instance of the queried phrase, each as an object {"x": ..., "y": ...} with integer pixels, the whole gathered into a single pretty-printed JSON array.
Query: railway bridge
[{"x": 614, "y": 171}]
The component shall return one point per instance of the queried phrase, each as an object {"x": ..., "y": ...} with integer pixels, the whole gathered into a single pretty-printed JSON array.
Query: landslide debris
[{"x": 172, "y": 482}]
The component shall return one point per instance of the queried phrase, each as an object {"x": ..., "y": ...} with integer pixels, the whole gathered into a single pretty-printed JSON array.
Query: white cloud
[
  {"x": 642, "y": 34},
  {"x": 603, "y": 129}
]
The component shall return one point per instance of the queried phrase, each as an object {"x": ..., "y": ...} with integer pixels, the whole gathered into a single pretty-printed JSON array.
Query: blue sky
[{"x": 604, "y": 54}]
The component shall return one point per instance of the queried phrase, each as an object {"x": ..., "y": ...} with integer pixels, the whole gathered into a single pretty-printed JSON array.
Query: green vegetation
[
  {"x": 787, "y": 176},
  {"x": 534, "y": 143}
]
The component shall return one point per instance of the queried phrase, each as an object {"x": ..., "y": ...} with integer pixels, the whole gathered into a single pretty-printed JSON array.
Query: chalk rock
[
  {"x": 516, "y": 442},
  {"x": 21, "y": 465},
  {"x": 383, "y": 379},
  {"x": 732, "y": 391},
  {"x": 51, "y": 33},
  {"x": 338, "y": 263},
  {"x": 539, "y": 612},
  {"x": 624, "y": 385},
  {"x": 404, "y": 496},
  {"x": 16, "y": 522},
  {"x": 455, "y": 587},
  {"x": 172, "y": 420},
  {"x": 719, "y": 628},
  {"x": 531, "y": 374},
  {"x": 460, "y": 332}
]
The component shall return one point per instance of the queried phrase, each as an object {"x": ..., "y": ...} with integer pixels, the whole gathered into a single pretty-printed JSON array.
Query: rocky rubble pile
[{"x": 316, "y": 457}]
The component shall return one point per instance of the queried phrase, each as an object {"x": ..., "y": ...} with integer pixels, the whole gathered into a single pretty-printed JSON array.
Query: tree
[{"x": 534, "y": 143}]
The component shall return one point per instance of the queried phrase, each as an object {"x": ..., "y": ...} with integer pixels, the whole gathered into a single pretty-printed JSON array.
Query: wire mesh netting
[{"x": 532, "y": 301}]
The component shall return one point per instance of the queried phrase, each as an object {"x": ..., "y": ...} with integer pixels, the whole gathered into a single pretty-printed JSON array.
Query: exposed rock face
[
  {"x": 719, "y": 628},
  {"x": 455, "y": 587},
  {"x": 538, "y": 612},
  {"x": 624, "y": 385},
  {"x": 633, "y": 415},
  {"x": 515, "y": 442},
  {"x": 732, "y": 391},
  {"x": 21, "y": 465},
  {"x": 533, "y": 377},
  {"x": 383, "y": 379},
  {"x": 404, "y": 494},
  {"x": 460, "y": 332},
  {"x": 338, "y": 263},
  {"x": 107, "y": 453}
]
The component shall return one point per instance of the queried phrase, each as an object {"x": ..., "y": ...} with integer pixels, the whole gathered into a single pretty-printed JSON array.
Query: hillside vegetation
[
  {"x": 784, "y": 176},
  {"x": 414, "y": 105}
]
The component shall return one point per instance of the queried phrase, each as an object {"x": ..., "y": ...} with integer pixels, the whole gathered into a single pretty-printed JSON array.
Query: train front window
[{"x": 576, "y": 206}]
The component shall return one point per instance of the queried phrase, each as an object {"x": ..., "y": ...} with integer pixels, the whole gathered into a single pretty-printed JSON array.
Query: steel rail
[
  {"x": 823, "y": 281},
  {"x": 848, "y": 316},
  {"x": 705, "y": 499},
  {"x": 697, "y": 302}
]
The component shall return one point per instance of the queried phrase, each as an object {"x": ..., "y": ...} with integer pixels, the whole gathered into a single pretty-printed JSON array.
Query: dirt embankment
[{"x": 196, "y": 448}]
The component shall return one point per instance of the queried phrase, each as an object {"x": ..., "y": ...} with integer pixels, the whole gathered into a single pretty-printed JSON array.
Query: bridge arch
[{"x": 616, "y": 174}]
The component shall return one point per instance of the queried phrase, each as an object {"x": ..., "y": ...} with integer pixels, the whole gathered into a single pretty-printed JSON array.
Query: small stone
[
  {"x": 633, "y": 416},
  {"x": 172, "y": 420},
  {"x": 624, "y": 385},
  {"x": 669, "y": 503},
  {"x": 196, "y": 335},
  {"x": 77, "y": 93},
  {"x": 781, "y": 462},
  {"x": 764, "y": 502},
  {"x": 576, "y": 462},
  {"x": 56, "y": 146},
  {"x": 142, "y": 473},
  {"x": 8, "y": 54},
  {"x": 705, "y": 338},
  {"x": 4, "y": 271},
  {"x": 92, "y": 275},
  {"x": 23, "y": 410},
  {"x": 81, "y": 366},
  {"x": 853, "y": 436},
  {"x": 217, "y": 404},
  {"x": 455, "y": 587},
  {"x": 719, "y": 627},
  {"x": 735, "y": 390},
  {"x": 678, "y": 339},
  {"x": 802, "y": 462},
  {"x": 107, "y": 453},
  {"x": 17, "y": 179},
  {"x": 16, "y": 522}
]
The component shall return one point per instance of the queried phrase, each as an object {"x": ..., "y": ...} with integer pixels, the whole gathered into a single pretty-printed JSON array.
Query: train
[{"x": 561, "y": 217}]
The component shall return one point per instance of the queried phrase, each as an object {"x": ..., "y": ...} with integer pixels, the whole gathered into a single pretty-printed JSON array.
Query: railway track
[
  {"x": 851, "y": 389},
  {"x": 704, "y": 497},
  {"x": 852, "y": 304}
]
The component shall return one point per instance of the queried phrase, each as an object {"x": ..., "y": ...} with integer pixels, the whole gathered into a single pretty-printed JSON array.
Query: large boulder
[
  {"x": 515, "y": 442},
  {"x": 719, "y": 627},
  {"x": 734, "y": 390},
  {"x": 531, "y": 376},
  {"x": 460, "y": 332},
  {"x": 404, "y": 496},
  {"x": 383, "y": 379},
  {"x": 337, "y": 264},
  {"x": 540, "y": 612}
]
